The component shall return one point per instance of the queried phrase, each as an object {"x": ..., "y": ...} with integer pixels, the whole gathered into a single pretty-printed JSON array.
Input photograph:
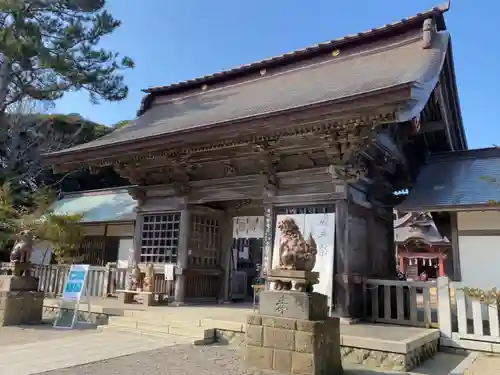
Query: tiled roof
[
  {"x": 103, "y": 206},
  {"x": 456, "y": 180},
  {"x": 397, "y": 62},
  {"x": 413, "y": 226}
]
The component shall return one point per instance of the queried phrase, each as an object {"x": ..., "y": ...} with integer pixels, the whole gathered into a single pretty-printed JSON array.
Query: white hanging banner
[
  {"x": 74, "y": 293},
  {"x": 248, "y": 227},
  {"x": 322, "y": 229}
]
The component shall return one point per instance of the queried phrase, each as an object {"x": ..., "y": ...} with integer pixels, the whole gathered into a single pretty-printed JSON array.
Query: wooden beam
[
  {"x": 445, "y": 112},
  {"x": 432, "y": 126}
]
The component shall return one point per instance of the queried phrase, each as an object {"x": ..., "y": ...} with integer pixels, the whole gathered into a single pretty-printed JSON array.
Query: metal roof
[
  {"x": 392, "y": 62},
  {"x": 464, "y": 180},
  {"x": 98, "y": 206},
  {"x": 303, "y": 52}
]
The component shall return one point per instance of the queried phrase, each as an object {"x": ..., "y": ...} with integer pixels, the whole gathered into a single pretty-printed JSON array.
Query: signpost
[{"x": 74, "y": 292}]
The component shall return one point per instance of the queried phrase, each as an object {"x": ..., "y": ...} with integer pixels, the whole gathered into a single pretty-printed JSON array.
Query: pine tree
[{"x": 51, "y": 47}]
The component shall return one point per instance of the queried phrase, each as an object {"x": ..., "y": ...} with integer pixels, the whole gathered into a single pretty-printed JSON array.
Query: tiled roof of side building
[
  {"x": 384, "y": 58},
  {"x": 107, "y": 205},
  {"x": 457, "y": 180}
]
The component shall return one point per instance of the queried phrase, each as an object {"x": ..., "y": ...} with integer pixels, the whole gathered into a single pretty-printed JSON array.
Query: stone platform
[
  {"x": 20, "y": 302},
  {"x": 292, "y": 333},
  {"x": 293, "y": 345}
]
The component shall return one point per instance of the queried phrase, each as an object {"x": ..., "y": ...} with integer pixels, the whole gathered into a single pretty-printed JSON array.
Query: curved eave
[
  {"x": 449, "y": 68},
  {"x": 417, "y": 240},
  {"x": 398, "y": 96},
  {"x": 449, "y": 72}
]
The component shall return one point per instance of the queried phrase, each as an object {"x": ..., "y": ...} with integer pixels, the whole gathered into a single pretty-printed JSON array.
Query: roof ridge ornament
[{"x": 428, "y": 32}]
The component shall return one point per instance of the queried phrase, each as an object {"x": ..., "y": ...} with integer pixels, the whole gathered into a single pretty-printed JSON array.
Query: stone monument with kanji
[{"x": 292, "y": 332}]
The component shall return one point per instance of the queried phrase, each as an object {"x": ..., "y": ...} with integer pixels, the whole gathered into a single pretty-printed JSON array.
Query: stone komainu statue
[
  {"x": 295, "y": 252},
  {"x": 21, "y": 251},
  {"x": 134, "y": 279},
  {"x": 148, "y": 284}
]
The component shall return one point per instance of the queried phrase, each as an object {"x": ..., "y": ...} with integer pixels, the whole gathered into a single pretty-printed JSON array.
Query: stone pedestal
[
  {"x": 293, "y": 334},
  {"x": 20, "y": 302}
]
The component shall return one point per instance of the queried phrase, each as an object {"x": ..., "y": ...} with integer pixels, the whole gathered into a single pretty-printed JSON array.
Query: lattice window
[
  {"x": 160, "y": 238},
  {"x": 205, "y": 241},
  {"x": 92, "y": 251}
]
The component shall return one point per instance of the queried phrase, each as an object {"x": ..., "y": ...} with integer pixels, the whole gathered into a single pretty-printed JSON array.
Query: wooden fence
[
  {"x": 409, "y": 303},
  {"x": 466, "y": 322},
  {"x": 102, "y": 281}
]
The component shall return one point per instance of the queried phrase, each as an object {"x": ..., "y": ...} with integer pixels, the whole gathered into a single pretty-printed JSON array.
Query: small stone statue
[
  {"x": 134, "y": 279},
  {"x": 21, "y": 252},
  {"x": 295, "y": 252},
  {"x": 148, "y": 285}
]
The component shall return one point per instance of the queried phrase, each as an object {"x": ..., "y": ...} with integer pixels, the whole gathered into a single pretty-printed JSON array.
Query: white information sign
[
  {"x": 169, "y": 272},
  {"x": 74, "y": 293},
  {"x": 322, "y": 228}
]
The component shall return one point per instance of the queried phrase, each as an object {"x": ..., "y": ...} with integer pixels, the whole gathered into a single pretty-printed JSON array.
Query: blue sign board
[{"x": 75, "y": 282}]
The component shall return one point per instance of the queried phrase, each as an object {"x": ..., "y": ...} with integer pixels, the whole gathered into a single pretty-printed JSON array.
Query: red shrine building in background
[{"x": 421, "y": 249}]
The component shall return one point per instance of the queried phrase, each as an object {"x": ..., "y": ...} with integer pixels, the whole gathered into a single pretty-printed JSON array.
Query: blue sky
[{"x": 174, "y": 40}]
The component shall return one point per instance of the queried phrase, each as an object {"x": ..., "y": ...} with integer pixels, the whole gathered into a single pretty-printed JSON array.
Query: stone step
[
  {"x": 199, "y": 335},
  {"x": 162, "y": 317},
  {"x": 136, "y": 331},
  {"x": 229, "y": 324}
]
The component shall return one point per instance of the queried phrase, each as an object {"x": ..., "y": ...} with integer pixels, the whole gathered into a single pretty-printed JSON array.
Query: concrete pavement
[
  {"x": 33, "y": 350},
  {"x": 73, "y": 350},
  {"x": 484, "y": 365}
]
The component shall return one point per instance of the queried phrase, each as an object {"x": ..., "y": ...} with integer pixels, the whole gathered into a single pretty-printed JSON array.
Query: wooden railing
[
  {"x": 410, "y": 303},
  {"x": 466, "y": 322}
]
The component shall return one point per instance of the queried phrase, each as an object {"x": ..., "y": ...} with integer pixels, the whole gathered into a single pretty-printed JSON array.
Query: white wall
[
  {"x": 124, "y": 247},
  {"x": 480, "y": 261},
  {"x": 479, "y": 253},
  {"x": 478, "y": 220}
]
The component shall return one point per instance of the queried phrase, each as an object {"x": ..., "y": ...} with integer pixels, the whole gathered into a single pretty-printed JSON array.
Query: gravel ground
[
  {"x": 173, "y": 360},
  {"x": 178, "y": 360}
]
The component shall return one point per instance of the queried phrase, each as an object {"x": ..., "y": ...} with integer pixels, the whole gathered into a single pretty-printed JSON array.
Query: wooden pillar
[
  {"x": 138, "y": 237},
  {"x": 343, "y": 288},
  {"x": 182, "y": 256},
  {"x": 267, "y": 253},
  {"x": 401, "y": 264},
  {"x": 441, "y": 266},
  {"x": 226, "y": 253}
]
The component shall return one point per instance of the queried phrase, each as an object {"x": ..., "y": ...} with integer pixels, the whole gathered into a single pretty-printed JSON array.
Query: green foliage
[
  {"x": 62, "y": 232},
  {"x": 490, "y": 297},
  {"x": 50, "y": 47},
  {"x": 74, "y": 128},
  {"x": 33, "y": 135},
  {"x": 120, "y": 124},
  {"x": 491, "y": 180}
]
